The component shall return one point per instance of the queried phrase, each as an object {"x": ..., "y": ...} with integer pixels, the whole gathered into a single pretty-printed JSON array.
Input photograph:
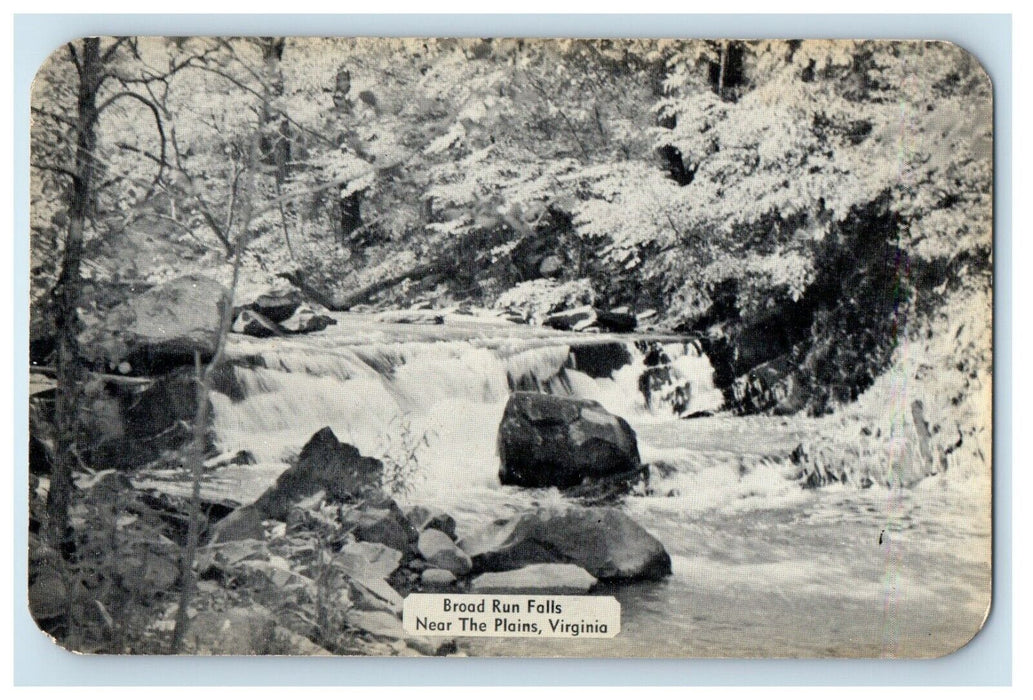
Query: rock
[
  {"x": 147, "y": 573},
  {"x": 141, "y": 425},
  {"x": 256, "y": 325},
  {"x": 374, "y": 594},
  {"x": 585, "y": 317},
  {"x": 275, "y": 305},
  {"x": 603, "y": 541},
  {"x": 325, "y": 464},
  {"x": 384, "y": 522},
  {"x": 161, "y": 328},
  {"x": 550, "y": 265},
  {"x": 548, "y": 440},
  {"x": 48, "y": 597},
  {"x": 615, "y": 321},
  {"x": 370, "y": 559},
  {"x": 600, "y": 360},
  {"x": 245, "y": 523},
  {"x": 376, "y": 622},
  {"x": 440, "y": 552},
  {"x": 424, "y": 517},
  {"x": 432, "y": 646},
  {"x": 239, "y": 458},
  {"x": 572, "y": 319},
  {"x": 307, "y": 319},
  {"x": 558, "y": 579},
  {"x": 437, "y": 578}
]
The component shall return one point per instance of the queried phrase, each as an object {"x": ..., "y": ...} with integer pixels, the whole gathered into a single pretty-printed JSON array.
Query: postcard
[{"x": 511, "y": 347}]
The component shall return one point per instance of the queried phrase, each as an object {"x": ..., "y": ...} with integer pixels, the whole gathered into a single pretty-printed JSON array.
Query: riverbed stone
[
  {"x": 245, "y": 523},
  {"x": 571, "y": 319},
  {"x": 437, "y": 577},
  {"x": 307, "y": 319},
  {"x": 559, "y": 579},
  {"x": 325, "y": 464},
  {"x": 376, "y": 622},
  {"x": 557, "y": 441},
  {"x": 370, "y": 559},
  {"x": 276, "y": 305},
  {"x": 440, "y": 552},
  {"x": 604, "y": 541},
  {"x": 382, "y": 521},
  {"x": 256, "y": 325},
  {"x": 424, "y": 517}
]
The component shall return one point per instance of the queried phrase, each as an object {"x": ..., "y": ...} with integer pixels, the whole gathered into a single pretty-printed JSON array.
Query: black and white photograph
[{"x": 456, "y": 347}]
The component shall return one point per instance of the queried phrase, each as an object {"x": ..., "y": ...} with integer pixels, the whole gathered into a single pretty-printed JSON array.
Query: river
[{"x": 761, "y": 566}]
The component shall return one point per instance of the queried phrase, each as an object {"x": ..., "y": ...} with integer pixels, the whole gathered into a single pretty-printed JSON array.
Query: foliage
[
  {"x": 535, "y": 299},
  {"x": 400, "y": 454},
  {"x": 122, "y": 571},
  {"x": 726, "y": 183}
]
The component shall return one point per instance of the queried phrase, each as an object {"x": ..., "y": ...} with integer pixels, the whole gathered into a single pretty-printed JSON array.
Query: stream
[{"x": 761, "y": 566}]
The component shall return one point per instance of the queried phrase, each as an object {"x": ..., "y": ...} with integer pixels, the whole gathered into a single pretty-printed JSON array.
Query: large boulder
[
  {"x": 603, "y": 541},
  {"x": 132, "y": 425},
  {"x": 307, "y": 319},
  {"x": 556, "y": 441},
  {"x": 615, "y": 321},
  {"x": 585, "y": 317},
  {"x": 277, "y": 305},
  {"x": 161, "y": 328},
  {"x": 600, "y": 360},
  {"x": 572, "y": 319},
  {"x": 325, "y": 464},
  {"x": 256, "y": 325}
]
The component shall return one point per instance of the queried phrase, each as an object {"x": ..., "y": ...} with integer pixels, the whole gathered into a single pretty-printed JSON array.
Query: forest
[{"x": 816, "y": 215}]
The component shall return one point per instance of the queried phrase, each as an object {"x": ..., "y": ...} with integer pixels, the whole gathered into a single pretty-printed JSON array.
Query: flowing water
[{"x": 761, "y": 566}]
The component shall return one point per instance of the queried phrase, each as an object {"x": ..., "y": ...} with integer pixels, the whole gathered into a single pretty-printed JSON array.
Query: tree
[{"x": 99, "y": 83}]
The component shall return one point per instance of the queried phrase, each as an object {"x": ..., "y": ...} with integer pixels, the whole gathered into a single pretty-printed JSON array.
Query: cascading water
[
  {"x": 444, "y": 397},
  {"x": 736, "y": 527}
]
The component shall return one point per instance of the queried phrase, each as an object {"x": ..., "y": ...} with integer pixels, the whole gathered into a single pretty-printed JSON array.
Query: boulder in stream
[
  {"x": 256, "y": 325},
  {"x": 548, "y": 440},
  {"x": 277, "y": 305},
  {"x": 603, "y": 541},
  {"x": 307, "y": 319},
  {"x": 325, "y": 464},
  {"x": 585, "y": 317}
]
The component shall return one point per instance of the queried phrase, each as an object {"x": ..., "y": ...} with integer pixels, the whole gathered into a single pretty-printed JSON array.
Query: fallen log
[{"x": 346, "y": 302}]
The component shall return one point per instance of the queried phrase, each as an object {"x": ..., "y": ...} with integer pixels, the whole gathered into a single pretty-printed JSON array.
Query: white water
[
  {"x": 440, "y": 400},
  {"x": 760, "y": 565}
]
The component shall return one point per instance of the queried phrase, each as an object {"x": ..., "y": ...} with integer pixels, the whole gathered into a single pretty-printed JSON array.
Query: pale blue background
[{"x": 985, "y": 661}]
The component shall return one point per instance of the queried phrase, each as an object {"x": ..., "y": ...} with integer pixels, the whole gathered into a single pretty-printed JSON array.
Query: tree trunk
[
  {"x": 68, "y": 289},
  {"x": 347, "y": 301},
  {"x": 351, "y": 216},
  {"x": 276, "y": 130}
]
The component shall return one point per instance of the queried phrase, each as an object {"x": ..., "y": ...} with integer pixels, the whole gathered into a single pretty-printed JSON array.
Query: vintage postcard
[{"x": 504, "y": 347}]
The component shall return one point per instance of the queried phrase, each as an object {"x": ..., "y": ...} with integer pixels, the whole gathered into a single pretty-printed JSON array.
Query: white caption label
[{"x": 487, "y": 615}]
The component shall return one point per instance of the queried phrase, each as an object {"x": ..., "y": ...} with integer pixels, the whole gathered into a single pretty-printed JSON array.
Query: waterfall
[{"x": 441, "y": 401}]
